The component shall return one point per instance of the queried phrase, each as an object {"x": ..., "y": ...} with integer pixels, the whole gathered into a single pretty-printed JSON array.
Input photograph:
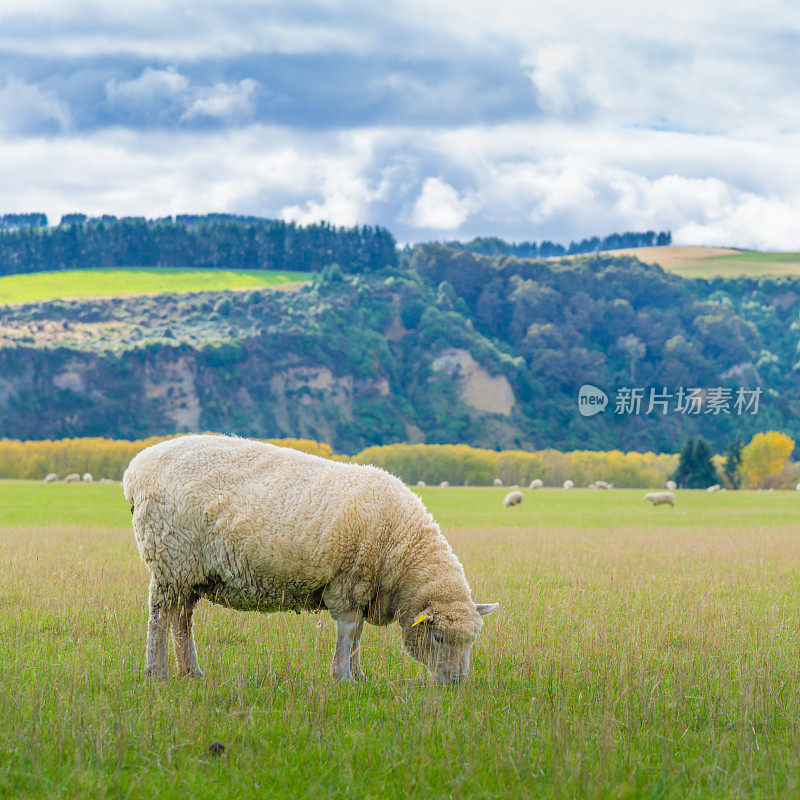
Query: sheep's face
[{"x": 441, "y": 636}]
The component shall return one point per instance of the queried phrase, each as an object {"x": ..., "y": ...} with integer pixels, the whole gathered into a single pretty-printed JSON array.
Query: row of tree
[
  {"x": 188, "y": 241},
  {"x": 492, "y": 246},
  {"x": 764, "y": 463}
]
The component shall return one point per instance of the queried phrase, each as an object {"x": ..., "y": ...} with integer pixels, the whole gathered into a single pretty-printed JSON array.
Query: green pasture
[
  {"x": 36, "y": 286},
  {"x": 638, "y": 652}
]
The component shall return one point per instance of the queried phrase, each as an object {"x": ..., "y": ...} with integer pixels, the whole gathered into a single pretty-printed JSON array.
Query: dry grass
[{"x": 630, "y": 661}]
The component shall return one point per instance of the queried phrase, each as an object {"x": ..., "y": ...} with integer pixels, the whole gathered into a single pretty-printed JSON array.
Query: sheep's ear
[
  {"x": 424, "y": 616},
  {"x": 486, "y": 608}
]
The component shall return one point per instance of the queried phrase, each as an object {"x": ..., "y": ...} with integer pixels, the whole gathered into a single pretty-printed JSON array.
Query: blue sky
[{"x": 437, "y": 119}]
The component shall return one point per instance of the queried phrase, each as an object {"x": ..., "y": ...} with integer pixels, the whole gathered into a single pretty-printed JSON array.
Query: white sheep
[
  {"x": 671, "y": 486},
  {"x": 497, "y": 482},
  {"x": 106, "y": 480},
  {"x": 568, "y": 484},
  {"x": 660, "y": 498},
  {"x": 603, "y": 485},
  {"x": 715, "y": 488},
  {"x": 536, "y": 483},
  {"x": 258, "y": 527},
  {"x": 52, "y": 477},
  {"x": 421, "y": 484},
  {"x": 444, "y": 484},
  {"x": 797, "y": 488},
  {"x": 512, "y": 499},
  {"x": 73, "y": 477},
  {"x": 87, "y": 477}
]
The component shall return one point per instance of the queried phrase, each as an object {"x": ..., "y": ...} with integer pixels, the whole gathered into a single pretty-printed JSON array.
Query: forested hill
[{"x": 443, "y": 345}]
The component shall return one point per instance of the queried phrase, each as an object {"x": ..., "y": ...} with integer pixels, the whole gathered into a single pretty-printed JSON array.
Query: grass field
[
  {"x": 638, "y": 653},
  {"x": 112, "y": 282},
  {"x": 709, "y": 262}
]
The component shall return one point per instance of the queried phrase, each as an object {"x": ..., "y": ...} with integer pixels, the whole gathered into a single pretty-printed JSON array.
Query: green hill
[{"x": 74, "y": 283}]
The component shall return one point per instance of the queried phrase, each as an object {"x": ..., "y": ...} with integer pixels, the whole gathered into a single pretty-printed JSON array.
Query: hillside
[{"x": 448, "y": 346}]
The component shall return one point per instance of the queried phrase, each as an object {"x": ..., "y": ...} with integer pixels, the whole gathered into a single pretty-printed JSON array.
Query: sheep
[
  {"x": 253, "y": 526},
  {"x": 591, "y": 486},
  {"x": 603, "y": 485},
  {"x": 51, "y": 477},
  {"x": 671, "y": 486},
  {"x": 421, "y": 484},
  {"x": 661, "y": 498},
  {"x": 73, "y": 477},
  {"x": 568, "y": 484},
  {"x": 497, "y": 482},
  {"x": 797, "y": 488},
  {"x": 536, "y": 483},
  {"x": 714, "y": 488},
  {"x": 444, "y": 484},
  {"x": 87, "y": 477},
  {"x": 106, "y": 480},
  {"x": 512, "y": 499}
]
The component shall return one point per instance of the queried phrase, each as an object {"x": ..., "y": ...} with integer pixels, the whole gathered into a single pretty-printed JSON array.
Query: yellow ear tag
[{"x": 421, "y": 618}]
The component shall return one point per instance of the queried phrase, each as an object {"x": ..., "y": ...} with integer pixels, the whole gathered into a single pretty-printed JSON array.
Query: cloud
[
  {"x": 224, "y": 101},
  {"x": 27, "y": 109},
  {"x": 439, "y": 207}
]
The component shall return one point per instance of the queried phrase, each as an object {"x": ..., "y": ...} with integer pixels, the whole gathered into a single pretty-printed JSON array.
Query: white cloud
[
  {"x": 225, "y": 101},
  {"x": 151, "y": 87},
  {"x": 439, "y": 207},
  {"x": 27, "y": 109}
]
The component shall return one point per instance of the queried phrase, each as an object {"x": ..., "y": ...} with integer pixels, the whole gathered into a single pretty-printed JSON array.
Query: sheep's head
[{"x": 441, "y": 635}]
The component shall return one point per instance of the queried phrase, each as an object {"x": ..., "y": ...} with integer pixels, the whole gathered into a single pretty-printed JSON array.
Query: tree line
[
  {"x": 493, "y": 246},
  {"x": 213, "y": 240}
]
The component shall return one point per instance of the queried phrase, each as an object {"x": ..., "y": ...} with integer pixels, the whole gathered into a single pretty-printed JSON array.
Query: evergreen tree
[
  {"x": 695, "y": 469},
  {"x": 733, "y": 457}
]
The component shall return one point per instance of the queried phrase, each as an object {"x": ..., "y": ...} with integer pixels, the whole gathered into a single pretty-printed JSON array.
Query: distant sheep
[
  {"x": 671, "y": 485},
  {"x": 715, "y": 488},
  {"x": 421, "y": 484},
  {"x": 497, "y": 482},
  {"x": 797, "y": 488},
  {"x": 568, "y": 484},
  {"x": 444, "y": 484},
  {"x": 253, "y": 526},
  {"x": 603, "y": 485},
  {"x": 512, "y": 499},
  {"x": 73, "y": 477},
  {"x": 106, "y": 480},
  {"x": 536, "y": 483},
  {"x": 660, "y": 498},
  {"x": 51, "y": 478},
  {"x": 87, "y": 477}
]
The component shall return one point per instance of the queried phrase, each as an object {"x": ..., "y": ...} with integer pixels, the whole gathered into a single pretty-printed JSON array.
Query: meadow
[
  {"x": 637, "y": 652},
  {"x": 711, "y": 262},
  {"x": 35, "y": 286}
]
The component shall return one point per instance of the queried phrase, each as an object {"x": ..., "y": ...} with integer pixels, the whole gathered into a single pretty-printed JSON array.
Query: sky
[{"x": 437, "y": 119}]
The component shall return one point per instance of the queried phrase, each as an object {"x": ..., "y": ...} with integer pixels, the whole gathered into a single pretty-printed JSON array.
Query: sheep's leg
[
  {"x": 162, "y": 610},
  {"x": 183, "y": 639},
  {"x": 346, "y": 664}
]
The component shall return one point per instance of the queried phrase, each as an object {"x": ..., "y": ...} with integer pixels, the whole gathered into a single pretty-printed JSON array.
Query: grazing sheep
[
  {"x": 444, "y": 484},
  {"x": 497, "y": 482},
  {"x": 73, "y": 477},
  {"x": 603, "y": 485},
  {"x": 256, "y": 527},
  {"x": 568, "y": 484},
  {"x": 421, "y": 483},
  {"x": 51, "y": 477},
  {"x": 87, "y": 477},
  {"x": 106, "y": 480},
  {"x": 512, "y": 499},
  {"x": 715, "y": 488},
  {"x": 671, "y": 485},
  {"x": 660, "y": 498},
  {"x": 536, "y": 483},
  {"x": 797, "y": 488}
]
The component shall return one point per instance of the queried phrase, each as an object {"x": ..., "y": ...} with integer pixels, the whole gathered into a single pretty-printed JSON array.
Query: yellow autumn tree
[{"x": 764, "y": 458}]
